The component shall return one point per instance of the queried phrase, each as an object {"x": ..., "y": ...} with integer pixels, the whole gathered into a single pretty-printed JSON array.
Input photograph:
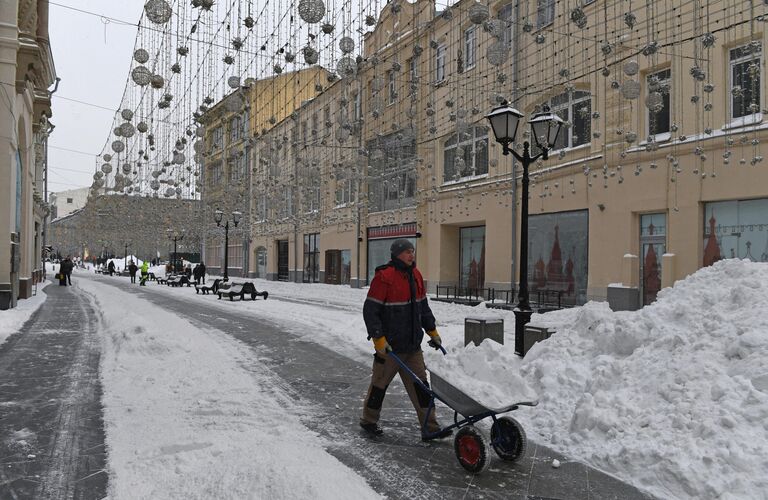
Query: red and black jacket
[{"x": 397, "y": 307}]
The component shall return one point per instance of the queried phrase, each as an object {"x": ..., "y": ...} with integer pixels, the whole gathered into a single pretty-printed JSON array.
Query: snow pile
[
  {"x": 673, "y": 397},
  {"x": 11, "y": 320},
  {"x": 193, "y": 414}
]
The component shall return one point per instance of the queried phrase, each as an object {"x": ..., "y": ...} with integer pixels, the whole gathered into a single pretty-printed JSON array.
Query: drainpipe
[
  {"x": 515, "y": 87},
  {"x": 48, "y": 132}
]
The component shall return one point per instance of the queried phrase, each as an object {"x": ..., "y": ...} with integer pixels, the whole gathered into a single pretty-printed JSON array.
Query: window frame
[
  {"x": 452, "y": 143},
  {"x": 659, "y": 136},
  {"x": 748, "y": 117},
  {"x": 547, "y": 7},
  {"x": 470, "y": 48},
  {"x": 441, "y": 55},
  {"x": 570, "y": 104},
  {"x": 391, "y": 87}
]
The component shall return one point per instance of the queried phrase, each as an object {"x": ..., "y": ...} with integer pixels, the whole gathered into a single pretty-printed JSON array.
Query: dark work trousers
[
  {"x": 384, "y": 370},
  {"x": 133, "y": 277},
  {"x": 69, "y": 278}
]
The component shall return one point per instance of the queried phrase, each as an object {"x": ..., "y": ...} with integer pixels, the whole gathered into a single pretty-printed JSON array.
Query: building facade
[
  {"x": 115, "y": 225},
  {"x": 657, "y": 172},
  {"x": 26, "y": 73},
  {"x": 64, "y": 203}
]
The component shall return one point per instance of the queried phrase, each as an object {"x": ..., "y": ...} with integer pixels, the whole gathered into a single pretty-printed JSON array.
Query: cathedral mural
[
  {"x": 558, "y": 253},
  {"x": 736, "y": 229}
]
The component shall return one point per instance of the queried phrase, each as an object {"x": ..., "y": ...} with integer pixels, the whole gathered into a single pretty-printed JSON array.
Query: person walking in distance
[
  {"x": 144, "y": 273},
  {"x": 111, "y": 268},
  {"x": 396, "y": 314},
  {"x": 66, "y": 267},
  {"x": 132, "y": 269}
]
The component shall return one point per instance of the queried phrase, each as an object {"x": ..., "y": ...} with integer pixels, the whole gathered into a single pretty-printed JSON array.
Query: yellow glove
[
  {"x": 381, "y": 345},
  {"x": 435, "y": 340}
]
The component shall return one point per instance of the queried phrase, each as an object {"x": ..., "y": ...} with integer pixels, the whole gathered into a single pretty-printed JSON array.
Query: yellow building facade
[{"x": 658, "y": 171}]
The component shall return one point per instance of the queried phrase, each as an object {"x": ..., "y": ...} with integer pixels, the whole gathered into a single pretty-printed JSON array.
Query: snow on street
[
  {"x": 187, "y": 415},
  {"x": 672, "y": 398}
]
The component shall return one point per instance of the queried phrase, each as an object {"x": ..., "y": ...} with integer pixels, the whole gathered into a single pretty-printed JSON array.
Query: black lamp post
[
  {"x": 545, "y": 127},
  {"x": 125, "y": 258},
  {"x": 176, "y": 237},
  {"x": 218, "y": 216}
]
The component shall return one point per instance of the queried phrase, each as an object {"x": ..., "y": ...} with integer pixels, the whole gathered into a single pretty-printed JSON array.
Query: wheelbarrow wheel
[
  {"x": 508, "y": 438},
  {"x": 472, "y": 450}
]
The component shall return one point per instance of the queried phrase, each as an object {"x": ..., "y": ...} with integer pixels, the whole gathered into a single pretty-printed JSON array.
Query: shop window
[{"x": 736, "y": 229}]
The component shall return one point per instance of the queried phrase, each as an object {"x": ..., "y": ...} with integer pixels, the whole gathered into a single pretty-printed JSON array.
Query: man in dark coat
[
  {"x": 66, "y": 269},
  {"x": 132, "y": 269},
  {"x": 111, "y": 267},
  {"x": 201, "y": 267},
  {"x": 397, "y": 313}
]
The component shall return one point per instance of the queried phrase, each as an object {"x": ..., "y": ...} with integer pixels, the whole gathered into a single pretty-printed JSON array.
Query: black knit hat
[{"x": 399, "y": 246}]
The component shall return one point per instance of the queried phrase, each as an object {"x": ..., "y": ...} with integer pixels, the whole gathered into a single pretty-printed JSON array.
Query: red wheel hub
[{"x": 469, "y": 450}]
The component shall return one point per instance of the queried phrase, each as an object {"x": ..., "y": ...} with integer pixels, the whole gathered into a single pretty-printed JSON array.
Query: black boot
[
  {"x": 372, "y": 429},
  {"x": 444, "y": 433}
]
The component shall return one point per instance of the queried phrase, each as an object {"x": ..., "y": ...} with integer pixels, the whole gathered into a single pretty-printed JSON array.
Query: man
[
  {"x": 144, "y": 273},
  {"x": 111, "y": 267},
  {"x": 66, "y": 267},
  {"x": 396, "y": 314},
  {"x": 132, "y": 268}
]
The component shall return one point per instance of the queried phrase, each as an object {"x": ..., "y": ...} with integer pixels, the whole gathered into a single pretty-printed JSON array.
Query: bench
[
  {"x": 178, "y": 280},
  {"x": 213, "y": 288},
  {"x": 237, "y": 289},
  {"x": 161, "y": 281}
]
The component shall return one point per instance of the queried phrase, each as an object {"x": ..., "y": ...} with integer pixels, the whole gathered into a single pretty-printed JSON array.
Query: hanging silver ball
[
  {"x": 127, "y": 114},
  {"x": 118, "y": 146},
  {"x": 141, "y": 56},
  {"x": 233, "y": 82},
  {"x": 478, "y": 13},
  {"x": 127, "y": 129},
  {"x": 346, "y": 45},
  {"x": 142, "y": 127},
  {"x": 106, "y": 168},
  {"x": 107, "y": 157},
  {"x": 127, "y": 168},
  {"x": 141, "y": 75},
  {"x": 310, "y": 55},
  {"x": 158, "y": 11},
  {"x": 311, "y": 11},
  {"x": 157, "y": 82}
]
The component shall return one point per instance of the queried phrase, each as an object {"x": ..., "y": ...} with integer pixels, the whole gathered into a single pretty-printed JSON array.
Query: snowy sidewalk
[
  {"x": 329, "y": 387},
  {"x": 50, "y": 403}
]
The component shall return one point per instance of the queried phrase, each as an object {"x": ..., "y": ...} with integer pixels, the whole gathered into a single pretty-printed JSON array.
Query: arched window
[
  {"x": 576, "y": 109},
  {"x": 466, "y": 155}
]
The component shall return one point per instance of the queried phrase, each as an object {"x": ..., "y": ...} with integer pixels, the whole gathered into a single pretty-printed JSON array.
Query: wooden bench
[
  {"x": 237, "y": 289},
  {"x": 213, "y": 288},
  {"x": 161, "y": 281}
]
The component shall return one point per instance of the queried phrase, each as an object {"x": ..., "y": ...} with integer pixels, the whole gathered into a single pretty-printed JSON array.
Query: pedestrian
[
  {"x": 66, "y": 270},
  {"x": 111, "y": 267},
  {"x": 168, "y": 269},
  {"x": 188, "y": 271},
  {"x": 396, "y": 314},
  {"x": 144, "y": 273},
  {"x": 196, "y": 274},
  {"x": 132, "y": 269},
  {"x": 201, "y": 266}
]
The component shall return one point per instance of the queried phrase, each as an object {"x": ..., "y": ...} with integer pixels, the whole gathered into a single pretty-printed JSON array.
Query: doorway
[
  {"x": 282, "y": 260},
  {"x": 653, "y": 244}
]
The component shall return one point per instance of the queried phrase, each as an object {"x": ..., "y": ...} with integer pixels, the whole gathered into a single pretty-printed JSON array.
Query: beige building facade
[
  {"x": 658, "y": 171},
  {"x": 26, "y": 73}
]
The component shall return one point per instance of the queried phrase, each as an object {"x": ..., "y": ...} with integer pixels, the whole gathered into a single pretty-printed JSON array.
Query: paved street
[
  {"x": 51, "y": 425},
  {"x": 330, "y": 388}
]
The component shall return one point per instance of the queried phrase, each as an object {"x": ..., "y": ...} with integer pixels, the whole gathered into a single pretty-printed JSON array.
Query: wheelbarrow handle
[{"x": 415, "y": 378}]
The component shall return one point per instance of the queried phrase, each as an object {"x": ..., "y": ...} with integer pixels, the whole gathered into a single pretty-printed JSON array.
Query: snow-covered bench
[
  {"x": 178, "y": 280},
  {"x": 236, "y": 289},
  {"x": 213, "y": 288}
]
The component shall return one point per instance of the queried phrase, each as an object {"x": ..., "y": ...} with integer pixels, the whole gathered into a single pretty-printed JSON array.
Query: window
[
  {"x": 440, "y": 64},
  {"x": 287, "y": 205},
  {"x": 391, "y": 85},
  {"x": 260, "y": 208},
  {"x": 304, "y": 131},
  {"x": 311, "y": 272},
  {"x": 315, "y": 125},
  {"x": 235, "y": 129},
  {"x": 236, "y": 167},
  {"x": 412, "y": 76},
  {"x": 745, "y": 80},
  {"x": 216, "y": 173},
  {"x": 466, "y": 155},
  {"x": 70, "y": 200},
  {"x": 653, "y": 244},
  {"x": 343, "y": 186},
  {"x": 327, "y": 115},
  {"x": 218, "y": 138},
  {"x": 576, "y": 109},
  {"x": 658, "y": 102},
  {"x": 470, "y": 48},
  {"x": 735, "y": 229},
  {"x": 472, "y": 257},
  {"x": 358, "y": 106},
  {"x": 392, "y": 171},
  {"x": 235, "y": 254},
  {"x": 505, "y": 14},
  {"x": 545, "y": 13}
]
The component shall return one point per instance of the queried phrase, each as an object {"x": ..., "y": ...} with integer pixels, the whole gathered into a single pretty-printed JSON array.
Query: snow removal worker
[
  {"x": 144, "y": 273},
  {"x": 396, "y": 314}
]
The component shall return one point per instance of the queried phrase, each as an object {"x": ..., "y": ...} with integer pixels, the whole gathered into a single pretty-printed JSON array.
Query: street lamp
[
  {"x": 125, "y": 258},
  {"x": 218, "y": 216},
  {"x": 176, "y": 237},
  {"x": 545, "y": 127}
]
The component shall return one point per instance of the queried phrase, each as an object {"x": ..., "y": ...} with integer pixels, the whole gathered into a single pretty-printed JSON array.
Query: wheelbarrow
[{"x": 472, "y": 449}]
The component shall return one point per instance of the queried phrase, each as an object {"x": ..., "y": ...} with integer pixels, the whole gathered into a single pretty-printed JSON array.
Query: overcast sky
[{"x": 93, "y": 60}]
